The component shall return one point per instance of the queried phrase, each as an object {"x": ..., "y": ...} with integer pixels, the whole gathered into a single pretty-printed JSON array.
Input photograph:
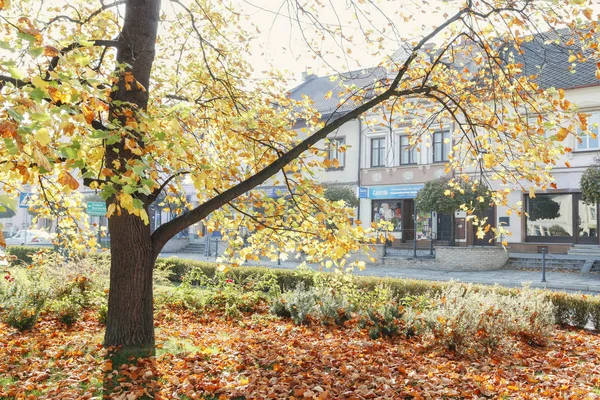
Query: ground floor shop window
[
  {"x": 398, "y": 212},
  {"x": 561, "y": 218},
  {"x": 389, "y": 211}
]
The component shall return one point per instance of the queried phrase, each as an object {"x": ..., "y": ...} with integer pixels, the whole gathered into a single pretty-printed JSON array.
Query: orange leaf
[
  {"x": 107, "y": 366},
  {"x": 50, "y": 51},
  {"x": 88, "y": 113},
  {"x": 562, "y": 134},
  {"x": 2, "y": 241},
  {"x": 66, "y": 179},
  {"x": 8, "y": 129}
]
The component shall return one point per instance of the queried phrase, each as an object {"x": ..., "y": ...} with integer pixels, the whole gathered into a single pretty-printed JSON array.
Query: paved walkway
[{"x": 571, "y": 282}]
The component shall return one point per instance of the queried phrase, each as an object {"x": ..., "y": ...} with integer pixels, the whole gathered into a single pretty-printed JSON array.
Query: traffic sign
[
  {"x": 97, "y": 208},
  {"x": 25, "y": 199}
]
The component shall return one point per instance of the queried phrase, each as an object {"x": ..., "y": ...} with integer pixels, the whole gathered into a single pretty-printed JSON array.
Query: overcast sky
[{"x": 281, "y": 45}]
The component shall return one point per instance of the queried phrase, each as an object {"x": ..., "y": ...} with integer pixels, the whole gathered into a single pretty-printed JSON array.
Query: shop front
[
  {"x": 396, "y": 205},
  {"x": 561, "y": 218}
]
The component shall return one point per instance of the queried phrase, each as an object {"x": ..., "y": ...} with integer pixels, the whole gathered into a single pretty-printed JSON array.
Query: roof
[
  {"x": 316, "y": 88},
  {"x": 546, "y": 57}
]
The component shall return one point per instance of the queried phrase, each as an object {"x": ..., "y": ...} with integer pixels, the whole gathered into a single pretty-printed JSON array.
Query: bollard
[
  {"x": 206, "y": 245},
  {"x": 415, "y": 233},
  {"x": 278, "y": 257},
  {"x": 544, "y": 264},
  {"x": 216, "y": 248},
  {"x": 431, "y": 244}
]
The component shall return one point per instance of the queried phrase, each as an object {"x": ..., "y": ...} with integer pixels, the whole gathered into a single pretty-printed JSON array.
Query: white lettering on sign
[{"x": 380, "y": 192}]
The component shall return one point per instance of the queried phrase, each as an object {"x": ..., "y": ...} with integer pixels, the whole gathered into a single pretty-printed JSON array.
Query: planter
[{"x": 470, "y": 258}]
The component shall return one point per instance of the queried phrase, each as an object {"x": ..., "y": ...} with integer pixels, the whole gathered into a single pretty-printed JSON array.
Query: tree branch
[{"x": 166, "y": 231}]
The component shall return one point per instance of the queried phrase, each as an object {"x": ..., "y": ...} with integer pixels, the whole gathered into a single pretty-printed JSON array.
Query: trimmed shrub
[
  {"x": 25, "y": 254},
  {"x": 66, "y": 310},
  {"x": 568, "y": 309},
  {"x": 22, "y": 304},
  {"x": 467, "y": 319},
  {"x": 299, "y": 303},
  {"x": 595, "y": 312},
  {"x": 385, "y": 321}
]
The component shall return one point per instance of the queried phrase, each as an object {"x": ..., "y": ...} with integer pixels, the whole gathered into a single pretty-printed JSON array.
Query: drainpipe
[{"x": 359, "y": 162}]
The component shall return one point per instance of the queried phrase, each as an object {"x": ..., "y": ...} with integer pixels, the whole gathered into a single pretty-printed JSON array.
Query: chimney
[{"x": 308, "y": 77}]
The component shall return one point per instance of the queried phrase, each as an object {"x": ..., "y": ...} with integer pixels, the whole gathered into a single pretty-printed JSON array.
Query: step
[
  {"x": 552, "y": 264},
  {"x": 583, "y": 252}
]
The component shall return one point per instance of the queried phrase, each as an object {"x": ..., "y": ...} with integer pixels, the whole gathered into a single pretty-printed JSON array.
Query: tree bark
[{"x": 130, "y": 321}]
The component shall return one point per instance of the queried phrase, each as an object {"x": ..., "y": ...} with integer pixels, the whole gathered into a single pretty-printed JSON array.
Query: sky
[{"x": 281, "y": 45}]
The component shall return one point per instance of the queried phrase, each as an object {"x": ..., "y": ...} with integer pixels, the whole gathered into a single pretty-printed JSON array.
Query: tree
[
  {"x": 444, "y": 196},
  {"x": 543, "y": 207},
  {"x": 337, "y": 193},
  {"x": 590, "y": 183},
  {"x": 132, "y": 102}
]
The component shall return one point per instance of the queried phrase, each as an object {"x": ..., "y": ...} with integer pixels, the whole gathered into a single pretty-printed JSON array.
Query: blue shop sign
[
  {"x": 363, "y": 193},
  {"x": 395, "y": 192}
]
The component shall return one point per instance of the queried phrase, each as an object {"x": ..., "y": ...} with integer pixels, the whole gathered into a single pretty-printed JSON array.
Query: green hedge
[
  {"x": 24, "y": 254},
  {"x": 570, "y": 309}
]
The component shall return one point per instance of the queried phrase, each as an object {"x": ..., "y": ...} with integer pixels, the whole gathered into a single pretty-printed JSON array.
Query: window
[
  {"x": 442, "y": 144},
  {"x": 389, "y": 211},
  {"x": 550, "y": 215},
  {"x": 408, "y": 154},
  {"x": 590, "y": 141},
  {"x": 378, "y": 152},
  {"x": 335, "y": 153}
]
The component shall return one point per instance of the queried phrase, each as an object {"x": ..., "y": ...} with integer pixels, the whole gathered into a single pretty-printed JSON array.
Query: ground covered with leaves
[{"x": 259, "y": 356}]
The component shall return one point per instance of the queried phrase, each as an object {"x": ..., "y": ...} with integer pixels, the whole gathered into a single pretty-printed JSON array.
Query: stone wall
[
  {"x": 455, "y": 259},
  {"x": 471, "y": 258}
]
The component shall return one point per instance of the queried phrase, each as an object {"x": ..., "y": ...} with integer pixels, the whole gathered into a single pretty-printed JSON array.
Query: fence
[{"x": 424, "y": 246}]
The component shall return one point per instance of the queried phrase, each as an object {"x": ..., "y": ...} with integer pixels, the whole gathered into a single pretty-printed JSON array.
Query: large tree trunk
[{"x": 130, "y": 321}]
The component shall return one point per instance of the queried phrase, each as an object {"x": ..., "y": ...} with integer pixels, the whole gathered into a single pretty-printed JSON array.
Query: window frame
[
  {"x": 333, "y": 152},
  {"x": 445, "y": 147},
  {"x": 411, "y": 151},
  {"x": 593, "y": 119},
  {"x": 381, "y": 152}
]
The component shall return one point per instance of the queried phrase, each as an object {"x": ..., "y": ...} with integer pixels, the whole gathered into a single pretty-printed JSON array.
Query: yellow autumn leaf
[
  {"x": 328, "y": 94},
  {"x": 41, "y": 159},
  {"x": 572, "y": 58},
  {"x": 43, "y": 136},
  {"x": 38, "y": 82},
  {"x": 340, "y": 252},
  {"x": 489, "y": 160}
]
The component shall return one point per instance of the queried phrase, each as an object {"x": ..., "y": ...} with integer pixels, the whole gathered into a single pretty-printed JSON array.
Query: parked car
[
  {"x": 30, "y": 237},
  {"x": 3, "y": 259}
]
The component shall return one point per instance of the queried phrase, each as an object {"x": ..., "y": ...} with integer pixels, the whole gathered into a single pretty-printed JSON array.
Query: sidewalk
[{"x": 571, "y": 282}]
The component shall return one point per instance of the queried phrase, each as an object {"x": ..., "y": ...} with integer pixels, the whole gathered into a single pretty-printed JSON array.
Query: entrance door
[
  {"x": 444, "y": 227},
  {"x": 587, "y": 222},
  {"x": 488, "y": 239},
  {"x": 408, "y": 219}
]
